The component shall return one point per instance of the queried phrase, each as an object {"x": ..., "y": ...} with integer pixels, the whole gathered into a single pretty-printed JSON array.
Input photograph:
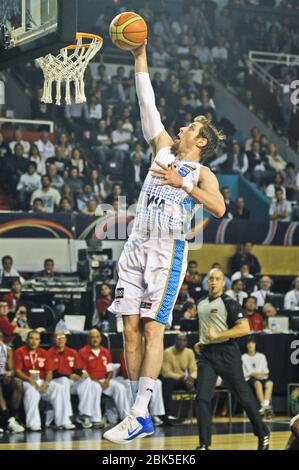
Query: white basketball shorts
[{"x": 151, "y": 272}]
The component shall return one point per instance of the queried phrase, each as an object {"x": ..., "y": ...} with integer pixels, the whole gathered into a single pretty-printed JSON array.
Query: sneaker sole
[{"x": 126, "y": 441}]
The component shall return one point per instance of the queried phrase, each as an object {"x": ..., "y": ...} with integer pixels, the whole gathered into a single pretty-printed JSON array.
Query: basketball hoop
[{"x": 67, "y": 67}]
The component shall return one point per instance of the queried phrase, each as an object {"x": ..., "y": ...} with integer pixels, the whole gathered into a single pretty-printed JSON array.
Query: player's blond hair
[{"x": 213, "y": 136}]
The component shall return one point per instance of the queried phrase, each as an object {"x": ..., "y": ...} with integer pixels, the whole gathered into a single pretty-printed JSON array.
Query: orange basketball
[{"x": 128, "y": 30}]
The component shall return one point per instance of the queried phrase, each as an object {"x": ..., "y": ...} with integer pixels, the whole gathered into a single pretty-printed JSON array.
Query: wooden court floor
[{"x": 227, "y": 436}]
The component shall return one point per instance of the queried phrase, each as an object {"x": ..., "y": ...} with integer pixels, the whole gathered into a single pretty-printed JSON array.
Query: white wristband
[{"x": 187, "y": 186}]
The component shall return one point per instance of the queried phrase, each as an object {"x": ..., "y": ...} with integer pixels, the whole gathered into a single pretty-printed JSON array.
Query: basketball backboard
[{"x": 33, "y": 28}]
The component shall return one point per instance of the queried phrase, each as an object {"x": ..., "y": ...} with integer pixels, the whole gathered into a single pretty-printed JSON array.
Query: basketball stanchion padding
[{"x": 69, "y": 67}]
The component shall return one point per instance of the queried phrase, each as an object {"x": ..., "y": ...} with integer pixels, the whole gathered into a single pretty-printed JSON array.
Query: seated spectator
[
  {"x": 134, "y": 173},
  {"x": 240, "y": 211},
  {"x": 103, "y": 303},
  {"x": 61, "y": 160},
  {"x": 14, "y": 166},
  {"x": 34, "y": 156},
  {"x": 189, "y": 311},
  {"x": 255, "y": 320},
  {"x": 45, "y": 146},
  {"x": 19, "y": 140},
  {"x": 65, "y": 206},
  {"x": 9, "y": 328},
  {"x": 237, "y": 291},
  {"x": 291, "y": 182},
  {"x": 64, "y": 144},
  {"x": 156, "y": 405},
  {"x": 48, "y": 271},
  {"x": 265, "y": 284},
  {"x": 178, "y": 370},
  {"x": 244, "y": 256},
  {"x": 4, "y": 147},
  {"x": 275, "y": 161},
  {"x": 67, "y": 191},
  {"x": 291, "y": 299},
  {"x": 229, "y": 204},
  {"x": 10, "y": 391},
  {"x": 99, "y": 183},
  {"x": 82, "y": 199},
  {"x": 183, "y": 297},
  {"x": 92, "y": 208},
  {"x": 277, "y": 184},
  {"x": 281, "y": 209},
  {"x": 236, "y": 161},
  {"x": 50, "y": 196},
  {"x": 14, "y": 296},
  {"x": 202, "y": 51},
  {"x": 78, "y": 162},
  {"x": 68, "y": 371},
  {"x": 95, "y": 109},
  {"x": 227, "y": 281},
  {"x": 37, "y": 206},
  {"x": 56, "y": 179},
  {"x": 28, "y": 182},
  {"x": 74, "y": 180},
  {"x": 8, "y": 270},
  {"x": 101, "y": 141},
  {"x": 116, "y": 192},
  {"x": 97, "y": 362},
  {"x": 258, "y": 164},
  {"x": 256, "y": 372},
  {"x": 246, "y": 278},
  {"x": 121, "y": 139},
  {"x": 160, "y": 57},
  {"x": 294, "y": 401},
  {"x": 219, "y": 51},
  {"x": 255, "y": 136},
  {"x": 194, "y": 281},
  {"x": 269, "y": 310},
  {"x": 34, "y": 367}
]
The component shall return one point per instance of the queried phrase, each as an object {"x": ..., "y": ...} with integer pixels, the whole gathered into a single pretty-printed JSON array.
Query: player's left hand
[
  {"x": 169, "y": 174},
  {"x": 211, "y": 334}
]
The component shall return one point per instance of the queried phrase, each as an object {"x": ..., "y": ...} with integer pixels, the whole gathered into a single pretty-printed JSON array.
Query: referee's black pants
[{"x": 223, "y": 359}]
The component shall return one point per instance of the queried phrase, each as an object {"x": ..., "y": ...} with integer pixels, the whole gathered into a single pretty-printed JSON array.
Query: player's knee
[
  {"x": 132, "y": 331},
  {"x": 153, "y": 334}
]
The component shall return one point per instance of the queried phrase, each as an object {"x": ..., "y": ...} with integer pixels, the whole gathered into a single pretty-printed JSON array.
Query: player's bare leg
[{"x": 133, "y": 348}]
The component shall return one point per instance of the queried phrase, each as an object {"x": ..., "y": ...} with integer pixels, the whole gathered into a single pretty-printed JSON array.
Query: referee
[{"x": 221, "y": 319}]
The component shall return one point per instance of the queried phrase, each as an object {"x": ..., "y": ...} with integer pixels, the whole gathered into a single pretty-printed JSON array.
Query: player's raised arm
[{"x": 152, "y": 126}]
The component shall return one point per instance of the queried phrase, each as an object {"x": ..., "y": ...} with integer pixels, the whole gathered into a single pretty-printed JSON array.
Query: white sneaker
[
  {"x": 133, "y": 426},
  {"x": 84, "y": 421},
  {"x": 69, "y": 426},
  {"x": 14, "y": 426},
  {"x": 34, "y": 428}
]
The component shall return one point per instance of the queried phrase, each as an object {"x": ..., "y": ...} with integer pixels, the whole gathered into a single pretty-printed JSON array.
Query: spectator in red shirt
[
  {"x": 68, "y": 369},
  {"x": 34, "y": 367},
  {"x": 13, "y": 298},
  {"x": 103, "y": 303},
  {"x": 255, "y": 320},
  {"x": 9, "y": 329},
  {"x": 97, "y": 362}
]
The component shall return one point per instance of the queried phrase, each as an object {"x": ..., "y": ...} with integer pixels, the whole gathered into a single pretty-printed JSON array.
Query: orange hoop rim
[{"x": 84, "y": 36}]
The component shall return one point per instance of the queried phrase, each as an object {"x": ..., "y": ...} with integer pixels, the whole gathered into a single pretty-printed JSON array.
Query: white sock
[
  {"x": 266, "y": 403},
  {"x": 134, "y": 388},
  {"x": 145, "y": 391}
]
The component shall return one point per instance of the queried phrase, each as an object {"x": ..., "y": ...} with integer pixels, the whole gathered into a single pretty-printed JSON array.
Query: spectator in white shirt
[
  {"x": 7, "y": 269},
  {"x": 45, "y": 146},
  {"x": 275, "y": 161},
  {"x": 265, "y": 290},
  {"x": 120, "y": 139},
  {"x": 256, "y": 372},
  {"x": 34, "y": 156},
  {"x": 50, "y": 196},
  {"x": 57, "y": 180},
  {"x": 18, "y": 140},
  {"x": 244, "y": 273},
  {"x": 277, "y": 184},
  {"x": 236, "y": 292},
  {"x": 219, "y": 51},
  {"x": 95, "y": 109},
  {"x": 281, "y": 209},
  {"x": 160, "y": 57},
  {"x": 291, "y": 299},
  {"x": 28, "y": 182},
  {"x": 202, "y": 52}
]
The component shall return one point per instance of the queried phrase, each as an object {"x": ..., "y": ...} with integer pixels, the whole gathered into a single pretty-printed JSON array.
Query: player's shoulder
[
  {"x": 203, "y": 300},
  {"x": 230, "y": 303}
]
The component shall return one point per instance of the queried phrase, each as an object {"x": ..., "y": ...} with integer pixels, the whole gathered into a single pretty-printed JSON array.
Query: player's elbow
[{"x": 220, "y": 210}]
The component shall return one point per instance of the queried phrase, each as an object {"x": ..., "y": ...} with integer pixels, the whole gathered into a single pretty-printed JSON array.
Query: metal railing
[{"x": 34, "y": 122}]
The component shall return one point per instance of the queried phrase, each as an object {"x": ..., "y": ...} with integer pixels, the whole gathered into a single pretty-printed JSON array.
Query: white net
[{"x": 66, "y": 68}]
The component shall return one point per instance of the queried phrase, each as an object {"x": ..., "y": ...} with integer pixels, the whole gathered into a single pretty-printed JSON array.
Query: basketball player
[{"x": 154, "y": 260}]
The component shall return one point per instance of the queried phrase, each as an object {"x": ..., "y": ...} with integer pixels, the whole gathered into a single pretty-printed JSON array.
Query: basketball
[{"x": 128, "y": 30}]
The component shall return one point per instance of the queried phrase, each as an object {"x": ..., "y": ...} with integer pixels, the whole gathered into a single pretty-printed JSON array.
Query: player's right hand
[{"x": 138, "y": 51}]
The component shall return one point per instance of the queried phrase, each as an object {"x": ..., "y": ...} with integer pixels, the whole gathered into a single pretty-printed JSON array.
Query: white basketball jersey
[{"x": 163, "y": 210}]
